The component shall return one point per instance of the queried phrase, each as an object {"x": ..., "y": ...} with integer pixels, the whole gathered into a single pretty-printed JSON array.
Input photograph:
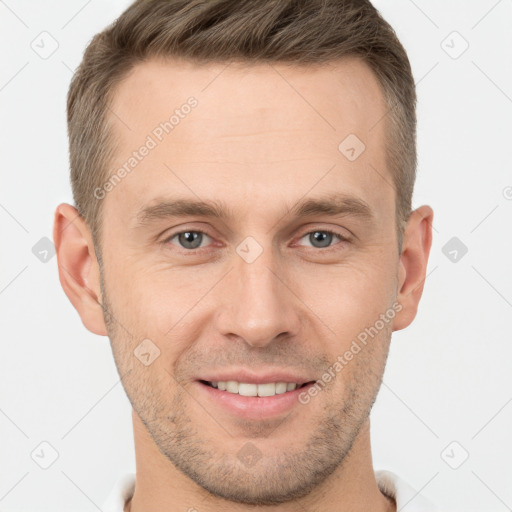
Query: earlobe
[
  {"x": 413, "y": 264},
  {"x": 78, "y": 267}
]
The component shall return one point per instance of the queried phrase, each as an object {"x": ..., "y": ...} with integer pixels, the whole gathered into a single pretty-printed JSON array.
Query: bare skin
[{"x": 255, "y": 145}]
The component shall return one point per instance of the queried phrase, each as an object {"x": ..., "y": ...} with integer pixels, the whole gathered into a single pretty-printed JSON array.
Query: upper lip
[{"x": 252, "y": 377}]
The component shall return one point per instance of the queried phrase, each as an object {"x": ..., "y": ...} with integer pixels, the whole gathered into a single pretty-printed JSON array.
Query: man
[{"x": 242, "y": 173}]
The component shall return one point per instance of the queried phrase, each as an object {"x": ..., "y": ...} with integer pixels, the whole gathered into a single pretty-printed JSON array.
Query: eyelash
[{"x": 194, "y": 251}]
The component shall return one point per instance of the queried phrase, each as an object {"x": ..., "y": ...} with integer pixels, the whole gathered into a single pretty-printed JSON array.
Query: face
[{"x": 277, "y": 289}]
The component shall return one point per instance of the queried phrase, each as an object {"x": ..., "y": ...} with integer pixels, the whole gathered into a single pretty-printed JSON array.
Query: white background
[{"x": 449, "y": 374}]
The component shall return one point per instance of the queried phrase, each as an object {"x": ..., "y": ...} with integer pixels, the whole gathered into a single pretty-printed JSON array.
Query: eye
[
  {"x": 322, "y": 238},
  {"x": 195, "y": 239},
  {"x": 188, "y": 239}
]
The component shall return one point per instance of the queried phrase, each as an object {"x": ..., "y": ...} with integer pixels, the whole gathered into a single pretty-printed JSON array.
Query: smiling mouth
[{"x": 257, "y": 390}]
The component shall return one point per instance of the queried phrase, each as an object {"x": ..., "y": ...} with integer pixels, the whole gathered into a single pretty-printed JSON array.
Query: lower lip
[{"x": 254, "y": 407}]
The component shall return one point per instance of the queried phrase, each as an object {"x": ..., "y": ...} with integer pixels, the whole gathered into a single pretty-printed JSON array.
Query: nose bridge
[{"x": 257, "y": 306}]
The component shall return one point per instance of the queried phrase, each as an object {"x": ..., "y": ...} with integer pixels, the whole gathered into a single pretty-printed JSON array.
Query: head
[{"x": 242, "y": 175}]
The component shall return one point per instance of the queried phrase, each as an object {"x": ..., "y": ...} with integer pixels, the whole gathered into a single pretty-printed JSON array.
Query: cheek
[
  {"x": 348, "y": 298},
  {"x": 164, "y": 305},
  {"x": 171, "y": 305}
]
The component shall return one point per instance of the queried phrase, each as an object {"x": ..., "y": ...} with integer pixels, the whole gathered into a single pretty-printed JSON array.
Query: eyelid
[{"x": 335, "y": 231}]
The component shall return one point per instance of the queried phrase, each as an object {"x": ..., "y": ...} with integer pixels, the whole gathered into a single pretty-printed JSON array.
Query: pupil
[
  {"x": 324, "y": 238},
  {"x": 191, "y": 237}
]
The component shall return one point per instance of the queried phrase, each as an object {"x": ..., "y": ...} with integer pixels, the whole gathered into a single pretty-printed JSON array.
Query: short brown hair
[{"x": 291, "y": 31}]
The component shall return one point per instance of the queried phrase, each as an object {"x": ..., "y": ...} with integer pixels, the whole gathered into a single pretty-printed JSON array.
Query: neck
[{"x": 161, "y": 487}]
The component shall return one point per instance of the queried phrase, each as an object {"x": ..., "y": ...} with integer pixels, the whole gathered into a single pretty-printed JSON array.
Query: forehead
[{"x": 255, "y": 131}]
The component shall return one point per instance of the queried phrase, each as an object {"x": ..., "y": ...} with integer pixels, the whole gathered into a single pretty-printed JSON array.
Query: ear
[
  {"x": 413, "y": 264},
  {"x": 79, "y": 272}
]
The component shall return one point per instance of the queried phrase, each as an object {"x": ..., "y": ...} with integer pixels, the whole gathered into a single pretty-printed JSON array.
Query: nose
[{"x": 257, "y": 302}]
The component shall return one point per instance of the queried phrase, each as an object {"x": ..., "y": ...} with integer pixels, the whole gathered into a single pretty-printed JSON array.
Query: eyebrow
[{"x": 333, "y": 205}]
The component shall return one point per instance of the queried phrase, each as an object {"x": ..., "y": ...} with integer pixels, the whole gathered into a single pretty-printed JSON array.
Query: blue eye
[
  {"x": 189, "y": 239},
  {"x": 322, "y": 237},
  {"x": 195, "y": 239}
]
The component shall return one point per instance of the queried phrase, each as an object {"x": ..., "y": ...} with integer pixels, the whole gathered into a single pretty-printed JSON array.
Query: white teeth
[
  {"x": 246, "y": 389},
  {"x": 280, "y": 388},
  {"x": 232, "y": 386},
  {"x": 267, "y": 389}
]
